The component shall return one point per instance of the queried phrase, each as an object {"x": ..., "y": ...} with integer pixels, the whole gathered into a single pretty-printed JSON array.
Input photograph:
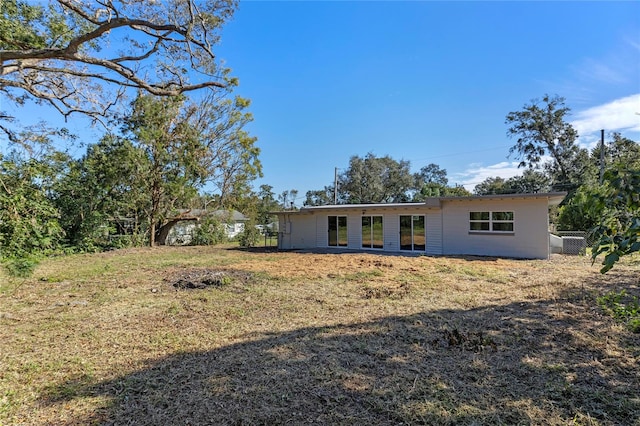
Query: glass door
[
  {"x": 372, "y": 232},
  {"x": 337, "y": 228},
  {"x": 412, "y": 233}
]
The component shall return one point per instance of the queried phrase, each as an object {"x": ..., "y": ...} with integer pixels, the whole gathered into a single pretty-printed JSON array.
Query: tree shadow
[{"x": 518, "y": 363}]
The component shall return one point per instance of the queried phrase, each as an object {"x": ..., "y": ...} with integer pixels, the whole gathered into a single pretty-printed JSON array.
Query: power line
[{"x": 462, "y": 152}]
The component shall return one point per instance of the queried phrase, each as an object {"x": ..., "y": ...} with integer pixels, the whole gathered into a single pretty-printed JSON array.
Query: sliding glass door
[
  {"x": 337, "y": 227},
  {"x": 412, "y": 233},
  {"x": 372, "y": 233}
]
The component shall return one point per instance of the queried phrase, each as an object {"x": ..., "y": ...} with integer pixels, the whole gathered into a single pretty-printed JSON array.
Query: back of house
[{"x": 508, "y": 225}]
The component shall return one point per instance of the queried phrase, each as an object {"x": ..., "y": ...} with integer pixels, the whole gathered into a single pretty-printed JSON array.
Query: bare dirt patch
[{"x": 202, "y": 278}]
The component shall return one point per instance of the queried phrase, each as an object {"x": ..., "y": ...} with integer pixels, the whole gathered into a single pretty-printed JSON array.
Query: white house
[
  {"x": 185, "y": 223},
  {"x": 513, "y": 225}
]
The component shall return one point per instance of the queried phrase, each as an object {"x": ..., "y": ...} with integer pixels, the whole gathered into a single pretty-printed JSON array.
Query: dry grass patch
[{"x": 307, "y": 338}]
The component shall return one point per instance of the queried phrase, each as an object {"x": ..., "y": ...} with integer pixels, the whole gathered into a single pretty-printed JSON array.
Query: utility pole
[
  {"x": 601, "y": 156},
  {"x": 335, "y": 186}
]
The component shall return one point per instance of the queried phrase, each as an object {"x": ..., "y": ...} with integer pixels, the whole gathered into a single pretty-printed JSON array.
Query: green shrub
[
  {"x": 251, "y": 235},
  {"x": 20, "y": 266},
  {"x": 210, "y": 231},
  {"x": 623, "y": 308}
]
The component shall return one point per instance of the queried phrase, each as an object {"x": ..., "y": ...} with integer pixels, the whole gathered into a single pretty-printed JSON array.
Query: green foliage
[
  {"x": 490, "y": 186},
  {"x": 618, "y": 233},
  {"x": 320, "y": 197},
  {"x": 53, "y": 52},
  {"x": 265, "y": 205},
  {"x": 20, "y": 266},
  {"x": 540, "y": 129},
  {"x": 580, "y": 212},
  {"x": 29, "y": 225},
  {"x": 622, "y": 308},
  {"x": 250, "y": 236},
  {"x": 99, "y": 192},
  {"x": 531, "y": 181},
  {"x": 375, "y": 180},
  {"x": 187, "y": 145},
  {"x": 432, "y": 173},
  {"x": 209, "y": 231},
  {"x": 19, "y": 25}
]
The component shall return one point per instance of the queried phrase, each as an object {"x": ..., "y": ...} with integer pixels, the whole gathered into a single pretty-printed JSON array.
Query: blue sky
[{"x": 427, "y": 82}]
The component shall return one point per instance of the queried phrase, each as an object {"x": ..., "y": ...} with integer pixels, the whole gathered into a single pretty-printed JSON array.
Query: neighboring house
[
  {"x": 514, "y": 225},
  {"x": 236, "y": 221},
  {"x": 181, "y": 232}
]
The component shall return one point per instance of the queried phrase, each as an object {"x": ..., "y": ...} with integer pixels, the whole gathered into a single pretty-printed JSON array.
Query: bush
[
  {"x": 622, "y": 308},
  {"x": 251, "y": 235},
  {"x": 210, "y": 231},
  {"x": 21, "y": 266}
]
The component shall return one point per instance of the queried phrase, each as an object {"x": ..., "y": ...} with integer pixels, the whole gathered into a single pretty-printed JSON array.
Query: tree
[
  {"x": 322, "y": 197},
  {"x": 580, "y": 211},
  {"x": 83, "y": 56},
  {"x": 287, "y": 198},
  {"x": 456, "y": 191},
  {"x": 529, "y": 182},
  {"x": 375, "y": 180},
  {"x": 101, "y": 193},
  {"x": 432, "y": 181},
  {"x": 432, "y": 173},
  {"x": 228, "y": 155},
  {"x": 619, "y": 151},
  {"x": 188, "y": 145},
  {"x": 29, "y": 223},
  {"x": 541, "y": 129},
  {"x": 490, "y": 186},
  {"x": 266, "y": 204},
  {"x": 618, "y": 233}
]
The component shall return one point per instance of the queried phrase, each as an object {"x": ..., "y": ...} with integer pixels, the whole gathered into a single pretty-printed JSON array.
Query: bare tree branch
[{"x": 167, "y": 50}]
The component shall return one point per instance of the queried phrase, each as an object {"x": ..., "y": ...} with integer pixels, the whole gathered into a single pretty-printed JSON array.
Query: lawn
[{"x": 267, "y": 337}]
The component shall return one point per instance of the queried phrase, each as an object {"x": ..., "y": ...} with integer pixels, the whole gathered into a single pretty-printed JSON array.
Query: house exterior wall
[
  {"x": 297, "y": 231},
  {"x": 434, "y": 232},
  {"x": 391, "y": 232},
  {"x": 530, "y": 238},
  {"x": 447, "y": 227}
]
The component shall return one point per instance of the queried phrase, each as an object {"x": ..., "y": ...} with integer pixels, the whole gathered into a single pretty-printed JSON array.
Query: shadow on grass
[{"x": 521, "y": 363}]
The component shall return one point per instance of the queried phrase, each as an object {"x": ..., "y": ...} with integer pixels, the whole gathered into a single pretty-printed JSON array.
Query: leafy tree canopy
[
  {"x": 618, "y": 233},
  {"x": 375, "y": 180},
  {"x": 541, "y": 129},
  {"x": 531, "y": 181}
]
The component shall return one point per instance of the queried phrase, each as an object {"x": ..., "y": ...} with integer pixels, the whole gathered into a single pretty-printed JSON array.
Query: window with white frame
[{"x": 491, "y": 222}]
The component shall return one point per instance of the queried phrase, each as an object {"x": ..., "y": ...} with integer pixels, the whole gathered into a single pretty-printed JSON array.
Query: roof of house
[
  {"x": 553, "y": 199},
  {"x": 190, "y": 214}
]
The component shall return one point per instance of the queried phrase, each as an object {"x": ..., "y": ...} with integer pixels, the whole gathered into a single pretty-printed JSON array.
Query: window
[
  {"x": 337, "y": 228},
  {"x": 372, "y": 233},
  {"x": 491, "y": 222}
]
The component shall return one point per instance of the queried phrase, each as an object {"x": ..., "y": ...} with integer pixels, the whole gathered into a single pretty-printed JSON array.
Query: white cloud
[
  {"x": 620, "y": 115},
  {"x": 477, "y": 173}
]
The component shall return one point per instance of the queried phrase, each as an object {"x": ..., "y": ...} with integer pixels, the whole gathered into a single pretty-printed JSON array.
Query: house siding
[
  {"x": 391, "y": 225},
  {"x": 300, "y": 232},
  {"x": 322, "y": 231},
  {"x": 530, "y": 238},
  {"x": 446, "y": 226},
  {"x": 434, "y": 232},
  {"x": 354, "y": 231}
]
